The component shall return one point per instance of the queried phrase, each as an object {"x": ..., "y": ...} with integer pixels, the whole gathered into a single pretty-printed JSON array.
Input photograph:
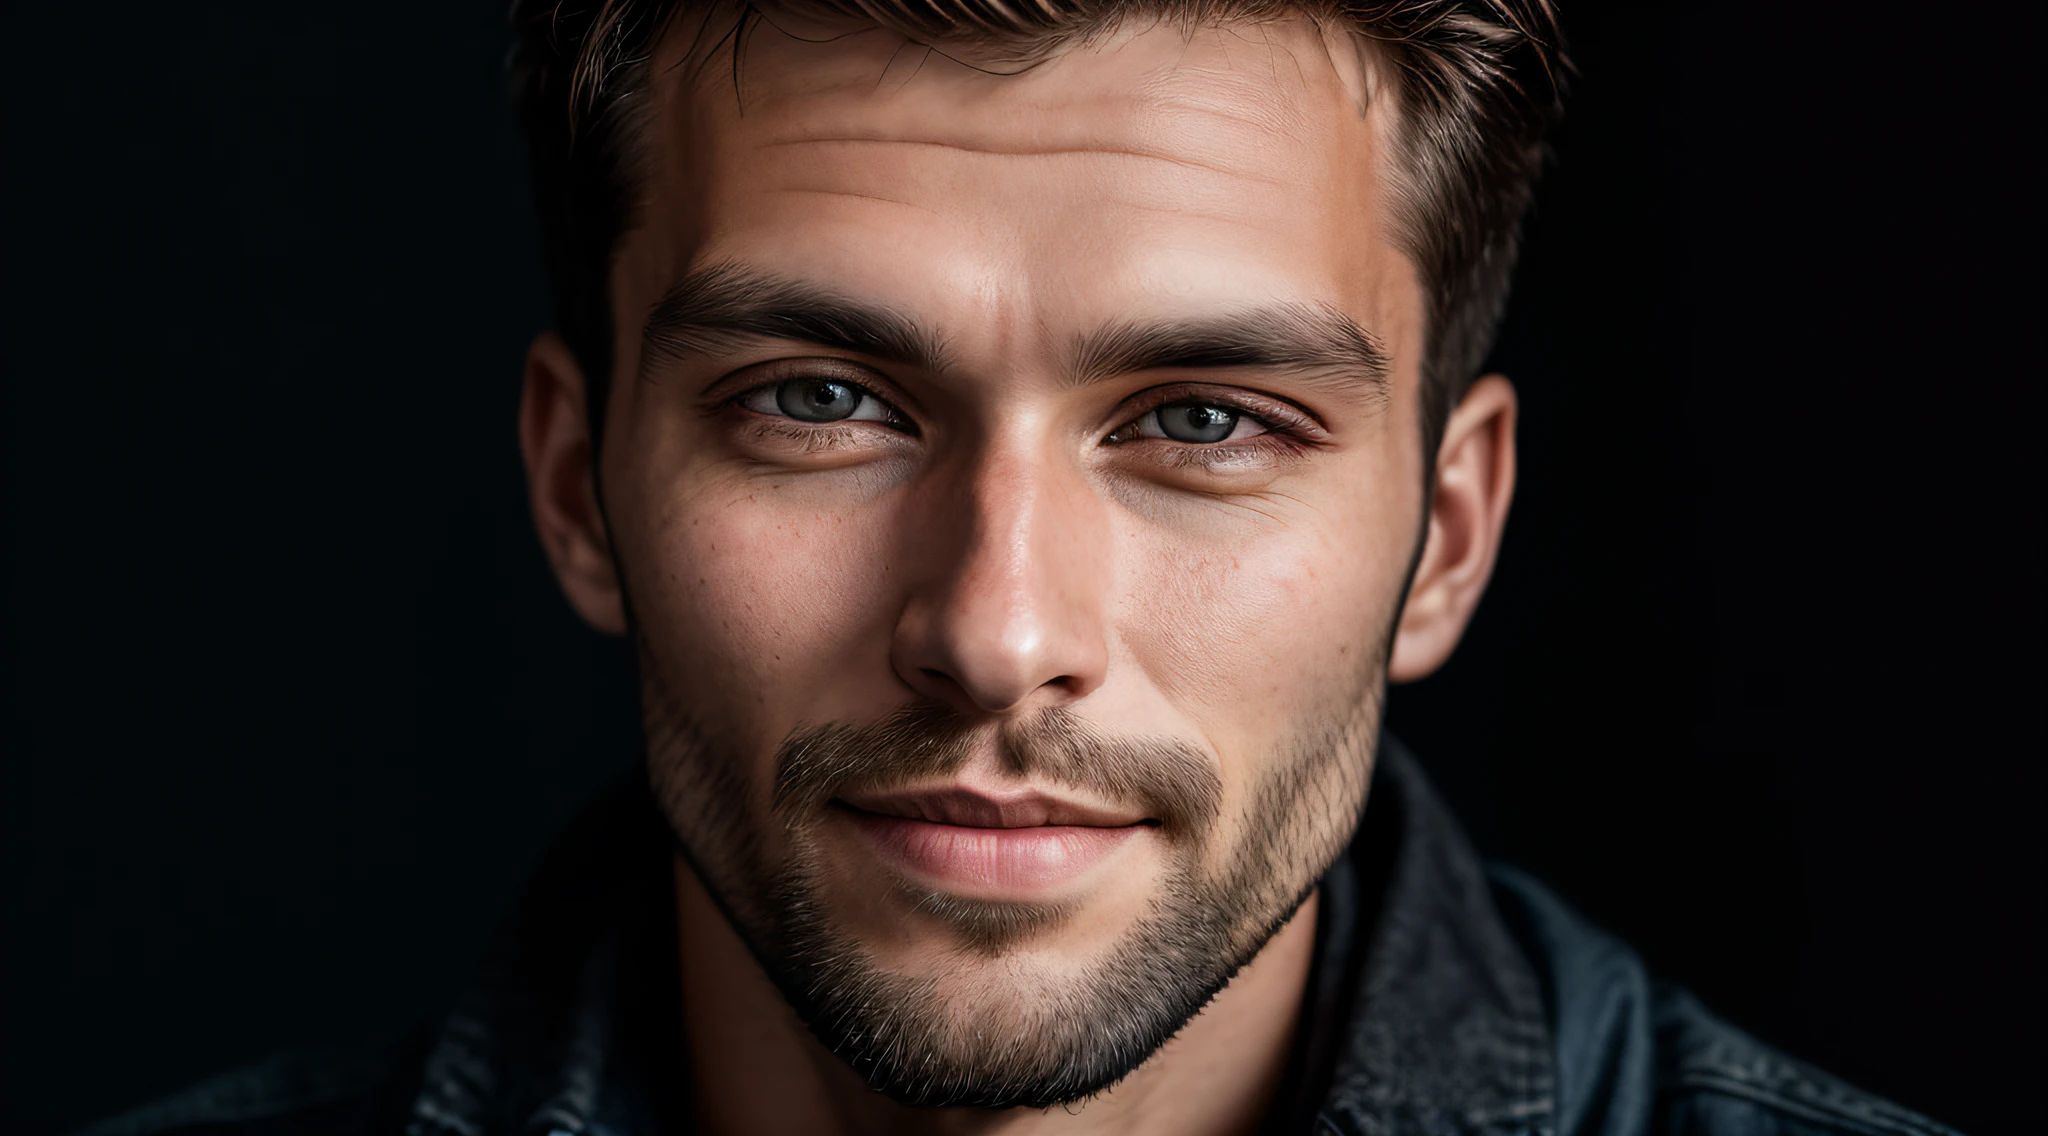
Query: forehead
[{"x": 1155, "y": 171}]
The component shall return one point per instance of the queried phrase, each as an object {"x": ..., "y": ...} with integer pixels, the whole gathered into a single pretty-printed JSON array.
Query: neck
[{"x": 756, "y": 1068}]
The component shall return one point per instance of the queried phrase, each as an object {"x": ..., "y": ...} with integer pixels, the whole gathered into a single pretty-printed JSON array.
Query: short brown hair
[{"x": 1480, "y": 83}]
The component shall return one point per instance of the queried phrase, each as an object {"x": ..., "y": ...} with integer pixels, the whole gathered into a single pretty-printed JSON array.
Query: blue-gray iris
[
  {"x": 817, "y": 400},
  {"x": 1196, "y": 421}
]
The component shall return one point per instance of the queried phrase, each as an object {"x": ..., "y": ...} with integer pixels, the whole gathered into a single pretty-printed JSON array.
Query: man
[{"x": 1022, "y": 439}]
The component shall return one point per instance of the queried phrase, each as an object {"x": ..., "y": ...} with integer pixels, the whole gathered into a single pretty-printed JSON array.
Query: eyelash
[
  {"x": 821, "y": 435},
  {"x": 1287, "y": 432}
]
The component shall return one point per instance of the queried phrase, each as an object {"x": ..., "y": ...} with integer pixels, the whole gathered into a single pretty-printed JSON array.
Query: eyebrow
[
  {"x": 713, "y": 308},
  {"x": 1319, "y": 342}
]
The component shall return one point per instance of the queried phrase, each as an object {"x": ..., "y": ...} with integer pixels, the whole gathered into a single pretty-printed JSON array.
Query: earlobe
[
  {"x": 1475, "y": 482},
  {"x": 554, "y": 440}
]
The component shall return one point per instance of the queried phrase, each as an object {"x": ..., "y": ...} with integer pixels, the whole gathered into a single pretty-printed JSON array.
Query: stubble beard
[{"x": 1037, "y": 1041}]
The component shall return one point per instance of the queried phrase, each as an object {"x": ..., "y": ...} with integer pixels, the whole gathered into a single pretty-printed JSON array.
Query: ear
[
  {"x": 554, "y": 438},
  {"x": 1475, "y": 480}
]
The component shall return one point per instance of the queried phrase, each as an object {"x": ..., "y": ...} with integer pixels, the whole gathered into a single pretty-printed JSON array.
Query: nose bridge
[{"x": 1010, "y": 608}]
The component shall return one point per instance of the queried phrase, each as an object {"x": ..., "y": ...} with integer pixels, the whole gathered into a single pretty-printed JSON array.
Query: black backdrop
[{"x": 1759, "y": 685}]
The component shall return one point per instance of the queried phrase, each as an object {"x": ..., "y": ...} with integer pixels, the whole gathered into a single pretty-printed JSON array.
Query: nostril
[
  {"x": 940, "y": 684},
  {"x": 1075, "y": 686},
  {"x": 996, "y": 693}
]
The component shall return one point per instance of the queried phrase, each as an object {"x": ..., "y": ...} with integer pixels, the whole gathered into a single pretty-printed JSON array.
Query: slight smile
[{"x": 1018, "y": 847}]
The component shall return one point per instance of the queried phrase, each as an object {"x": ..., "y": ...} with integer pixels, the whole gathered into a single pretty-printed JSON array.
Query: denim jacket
[{"x": 1448, "y": 998}]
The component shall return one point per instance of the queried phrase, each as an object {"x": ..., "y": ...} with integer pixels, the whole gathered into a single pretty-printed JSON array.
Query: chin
[{"x": 955, "y": 1001}]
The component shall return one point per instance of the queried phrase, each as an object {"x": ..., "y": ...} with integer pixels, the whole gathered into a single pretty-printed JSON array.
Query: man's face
[{"x": 1013, "y": 478}]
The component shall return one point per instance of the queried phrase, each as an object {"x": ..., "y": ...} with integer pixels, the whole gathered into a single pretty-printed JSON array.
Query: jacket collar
[
  {"x": 571, "y": 1028},
  {"x": 1449, "y": 1033}
]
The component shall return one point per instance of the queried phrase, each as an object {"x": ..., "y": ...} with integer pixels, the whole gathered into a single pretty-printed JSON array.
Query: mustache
[{"x": 1171, "y": 780}]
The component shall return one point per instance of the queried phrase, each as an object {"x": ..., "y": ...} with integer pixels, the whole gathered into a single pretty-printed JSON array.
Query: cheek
[
  {"x": 763, "y": 607},
  {"x": 1246, "y": 635}
]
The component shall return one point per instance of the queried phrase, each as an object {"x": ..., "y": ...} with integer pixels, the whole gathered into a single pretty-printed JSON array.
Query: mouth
[{"x": 1020, "y": 847}]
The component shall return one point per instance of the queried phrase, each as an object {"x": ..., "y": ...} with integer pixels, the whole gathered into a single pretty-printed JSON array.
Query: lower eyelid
[
  {"x": 821, "y": 438},
  {"x": 1223, "y": 466},
  {"x": 1263, "y": 451},
  {"x": 846, "y": 434}
]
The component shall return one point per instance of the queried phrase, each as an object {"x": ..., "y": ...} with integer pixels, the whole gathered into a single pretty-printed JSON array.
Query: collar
[
  {"x": 573, "y": 1024},
  {"x": 1449, "y": 1032}
]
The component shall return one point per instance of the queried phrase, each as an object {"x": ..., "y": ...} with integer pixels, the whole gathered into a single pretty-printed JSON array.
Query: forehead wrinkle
[
  {"x": 832, "y": 191},
  {"x": 1227, "y": 226},
  {"x": 1245, "y": 95},
  {"x": 1197, "y": 115},
  {"x": 1033, "y": 152}
]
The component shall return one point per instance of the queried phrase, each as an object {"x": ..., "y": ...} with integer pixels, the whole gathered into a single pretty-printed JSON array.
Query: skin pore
[{"x": 1087, "y": 394}]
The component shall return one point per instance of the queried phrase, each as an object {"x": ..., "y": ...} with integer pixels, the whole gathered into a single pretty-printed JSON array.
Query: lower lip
[{"x": 992, "y": 862}]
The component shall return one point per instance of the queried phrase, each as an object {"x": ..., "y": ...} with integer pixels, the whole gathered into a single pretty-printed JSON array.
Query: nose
[{"x": 1007, "y": 601}]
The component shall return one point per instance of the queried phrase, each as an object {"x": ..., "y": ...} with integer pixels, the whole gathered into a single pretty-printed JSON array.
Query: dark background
[{"x": 296, "y": 704}]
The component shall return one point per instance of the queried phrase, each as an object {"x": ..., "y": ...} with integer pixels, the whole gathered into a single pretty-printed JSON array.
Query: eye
[
  {"x": 817, "y": 399},
  {"x": 1197, "y": 422}
]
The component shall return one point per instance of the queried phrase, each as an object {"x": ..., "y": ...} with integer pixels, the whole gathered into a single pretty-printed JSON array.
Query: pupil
[{"x": 817, "y": 400}]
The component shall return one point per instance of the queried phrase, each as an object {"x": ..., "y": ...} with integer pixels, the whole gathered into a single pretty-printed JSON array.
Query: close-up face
[
  {"x": 1012, "y": 476},
  {"x": 1028, "y": 477}
]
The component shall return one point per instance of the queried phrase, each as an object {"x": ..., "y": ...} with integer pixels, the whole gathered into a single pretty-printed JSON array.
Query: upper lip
[{"x": 976, "y": 808}]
